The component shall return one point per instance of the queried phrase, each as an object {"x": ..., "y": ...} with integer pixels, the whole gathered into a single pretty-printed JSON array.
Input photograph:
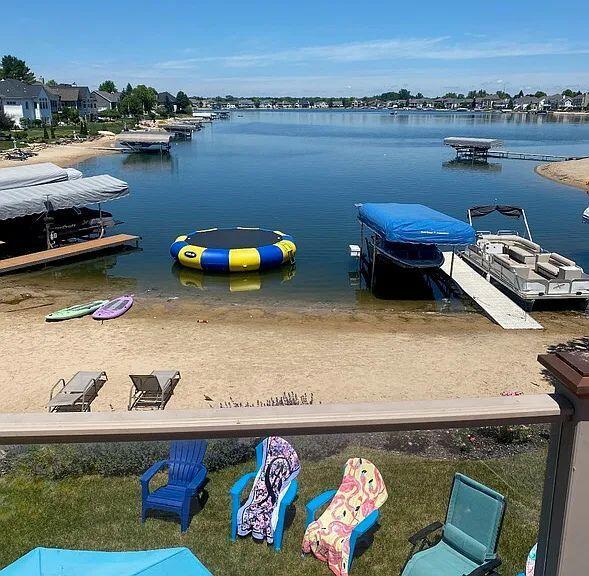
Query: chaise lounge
[
  {"x": 152, "y": 391},
  {"x": 77, "y": 394}
]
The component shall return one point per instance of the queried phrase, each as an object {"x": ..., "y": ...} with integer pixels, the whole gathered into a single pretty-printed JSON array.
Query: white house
[{"x": 25, "y": 101}]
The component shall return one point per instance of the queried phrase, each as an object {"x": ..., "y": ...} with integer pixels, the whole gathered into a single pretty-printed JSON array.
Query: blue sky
[{"x": 304, "y": 47}]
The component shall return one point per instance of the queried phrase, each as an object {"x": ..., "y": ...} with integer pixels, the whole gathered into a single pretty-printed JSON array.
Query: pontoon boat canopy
[
  {"x": 484, "y": 143},
  {"x": 35, "y": 174},
  {"x": 478, "y": 211},
  {"x": 415, "y": 224},
  {"x": 144, "y": 137},
  {"x": 28, "y": 200}
]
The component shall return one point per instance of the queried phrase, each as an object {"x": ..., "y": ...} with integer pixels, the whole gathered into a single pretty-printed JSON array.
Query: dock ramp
[{"x": 496, "y": 305}]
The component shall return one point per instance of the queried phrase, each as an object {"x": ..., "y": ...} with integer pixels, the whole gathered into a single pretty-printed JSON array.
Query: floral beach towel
[
  {"x": 280, "y": 466},
  {"x": 362, "y": 490}
]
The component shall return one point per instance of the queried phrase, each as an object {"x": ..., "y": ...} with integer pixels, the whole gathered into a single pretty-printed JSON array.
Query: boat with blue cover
[{"x": 410, "y": 235}]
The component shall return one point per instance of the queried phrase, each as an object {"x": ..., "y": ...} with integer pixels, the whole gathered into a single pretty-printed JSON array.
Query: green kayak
[{"x": 75, "y": 311}]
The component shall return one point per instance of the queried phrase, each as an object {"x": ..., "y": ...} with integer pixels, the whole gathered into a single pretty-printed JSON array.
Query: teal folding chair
[{"x": 466, "y": 544}]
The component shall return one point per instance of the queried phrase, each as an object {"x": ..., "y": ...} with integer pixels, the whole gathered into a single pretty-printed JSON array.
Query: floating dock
[
  {"x": 36, "y": 259},
  {"x": 496, "y": 305},
  {"x": 472, "y": 149}
]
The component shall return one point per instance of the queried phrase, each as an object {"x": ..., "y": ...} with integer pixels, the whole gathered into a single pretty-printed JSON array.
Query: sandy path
[
  {"x": 66, "y": 155},
  {"x": 252, "y": 354},
  {"x": 572, "y": 172}
]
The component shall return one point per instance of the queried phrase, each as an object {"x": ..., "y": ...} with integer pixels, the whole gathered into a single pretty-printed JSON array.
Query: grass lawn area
[{"x": 93, "y": 512}]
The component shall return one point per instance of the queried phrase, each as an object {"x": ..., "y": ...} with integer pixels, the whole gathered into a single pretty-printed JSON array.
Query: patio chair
[
  {"x": 273, "y": 491},
  {"x": 352, "y": 512},
  {"x": 77, "y": 394},
  {"x": 152, "y": 390},
  {"x": 467, "y": 545},
  {"x": 186, "y": 478}
]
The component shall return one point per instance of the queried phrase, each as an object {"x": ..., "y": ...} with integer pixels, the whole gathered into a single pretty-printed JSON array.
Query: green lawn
[{"x": 93, "y": 512}]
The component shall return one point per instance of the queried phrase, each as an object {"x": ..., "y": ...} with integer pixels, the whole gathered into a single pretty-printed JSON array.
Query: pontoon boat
[{"x": 521, "y": 266}]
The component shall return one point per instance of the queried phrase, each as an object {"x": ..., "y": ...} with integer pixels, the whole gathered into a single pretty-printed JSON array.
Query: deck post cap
[{"x": 570, "y": 369}]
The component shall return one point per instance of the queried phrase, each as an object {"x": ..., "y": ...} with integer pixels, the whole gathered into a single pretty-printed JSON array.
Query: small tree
[
  {"x": 45, "y": 133},
  {"x": 83, "y": 128},
  {"x": 52, "y": 131},
  {"x": 182, "y": 102},
  {"x": 6, "y": 122},
  {"x": 108, "y": 86},
  {"x": 51, "y": 83}
]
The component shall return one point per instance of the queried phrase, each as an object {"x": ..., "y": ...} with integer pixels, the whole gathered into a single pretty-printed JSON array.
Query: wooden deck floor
[
  {"x": 497, "y": 305},
  {"x": 64, "y": 252}
]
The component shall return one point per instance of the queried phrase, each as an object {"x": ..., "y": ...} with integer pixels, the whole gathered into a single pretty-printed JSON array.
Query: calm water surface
[{"x": 302, "y": 172}]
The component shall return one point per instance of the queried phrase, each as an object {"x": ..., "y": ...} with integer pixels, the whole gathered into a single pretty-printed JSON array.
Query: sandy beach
[
  {"x": 572, "y": 172},
  {"x": 67, "y": 154},
  {"x": 251, "y": 354}
]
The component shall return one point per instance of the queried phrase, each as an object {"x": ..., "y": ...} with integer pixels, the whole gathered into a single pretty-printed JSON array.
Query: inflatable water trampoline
[{"x": 233, "y": 249}]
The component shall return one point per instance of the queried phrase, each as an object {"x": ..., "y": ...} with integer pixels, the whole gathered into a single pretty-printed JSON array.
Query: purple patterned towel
[{"x": 259, "y": 514}]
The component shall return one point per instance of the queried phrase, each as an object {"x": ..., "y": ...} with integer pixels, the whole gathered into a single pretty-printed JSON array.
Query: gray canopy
[
  {"x": 35, "y": 174},
  {"x": 28, "y": 200}
]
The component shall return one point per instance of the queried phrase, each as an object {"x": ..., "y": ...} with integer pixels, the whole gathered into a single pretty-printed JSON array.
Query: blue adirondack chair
[
  {"x": 469, "y": 536},
  {"x": 238, "y": 488},
  {"x": 186, "y": 477},
  {"x": 360, "y": 530}
]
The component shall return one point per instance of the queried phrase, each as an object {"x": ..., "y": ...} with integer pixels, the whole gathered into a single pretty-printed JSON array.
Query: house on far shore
[
  {"x": 106, "y": 100},
  {"x": 556, "y": 102},
  {"x": 581, "y": 101},
  {"x": 78, "y": 97},
  {"x": 246, "y": 103},
  {"x": 526, "y": 104},
  {"x": 21, "y": 101},
  {"x": 167, "y": 100}
]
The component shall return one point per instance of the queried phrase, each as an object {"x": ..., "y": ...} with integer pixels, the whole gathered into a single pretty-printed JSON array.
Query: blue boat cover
[
  {"x": 56, "y": 562},
  {"x": 415, "y": 224}
]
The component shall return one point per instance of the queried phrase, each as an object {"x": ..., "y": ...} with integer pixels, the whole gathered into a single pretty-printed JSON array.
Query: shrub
[
  {"x": 112, "y": 459},
  {"x": 508, "y": 434}
]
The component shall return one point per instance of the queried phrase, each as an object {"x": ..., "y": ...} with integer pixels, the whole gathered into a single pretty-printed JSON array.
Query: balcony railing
[{"x": 563, "y": 548}]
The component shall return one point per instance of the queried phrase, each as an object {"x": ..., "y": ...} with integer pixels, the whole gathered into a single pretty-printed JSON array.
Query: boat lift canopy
[
  {"x": 415, "y": 224},
  {"x": 35, "y": 174},
  {"x": 27, "y": 200}
]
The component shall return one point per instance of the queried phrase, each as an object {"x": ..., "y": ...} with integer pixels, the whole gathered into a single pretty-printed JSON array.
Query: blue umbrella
[{"x": 56, "y": 562}]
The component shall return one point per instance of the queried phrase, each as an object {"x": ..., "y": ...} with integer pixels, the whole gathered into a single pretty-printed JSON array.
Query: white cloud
[{"x": 436, "y": 48}]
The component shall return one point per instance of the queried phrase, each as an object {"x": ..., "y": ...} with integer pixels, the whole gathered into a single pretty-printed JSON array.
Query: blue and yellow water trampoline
[{"x": 234, "y": 249}]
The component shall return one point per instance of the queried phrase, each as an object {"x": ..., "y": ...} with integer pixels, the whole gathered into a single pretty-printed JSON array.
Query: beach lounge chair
[
  {"x": 152, "y": 390},
  {"x": 186, "y": 478},
  {"x": 352, "y": 512},
  {"x": 467, "y": 545},
  {"x": 77, "y": 394},
  {"x": 273, "y": 491}
]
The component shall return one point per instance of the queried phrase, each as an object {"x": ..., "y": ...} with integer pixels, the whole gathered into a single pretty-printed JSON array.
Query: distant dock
[{"x": 480, "y": 149}]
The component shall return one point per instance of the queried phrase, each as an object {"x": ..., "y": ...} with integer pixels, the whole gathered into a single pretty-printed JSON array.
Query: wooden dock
[
  {"x": 64, "y": 252},
  {"x": 508, "y": 154},
  {"x": 496, "y": 305}
]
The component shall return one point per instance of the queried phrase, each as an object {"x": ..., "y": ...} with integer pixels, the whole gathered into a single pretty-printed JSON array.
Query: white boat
[
  {"x": 521, "y": 266},
  {"x": 586, "y": 215}
]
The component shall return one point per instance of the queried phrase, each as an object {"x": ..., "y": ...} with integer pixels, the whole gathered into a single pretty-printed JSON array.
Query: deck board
[
  {"x": 65, "y": 252},
  {"x": 496, "y": 305}
]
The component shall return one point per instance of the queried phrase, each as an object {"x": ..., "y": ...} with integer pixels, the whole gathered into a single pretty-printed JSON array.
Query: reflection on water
[
  {"x": 472, "y": 166},
  {"x": 235, "y": 281},
  {"x": 303, "y": 171},
  {"x": 160, "y": 162}
]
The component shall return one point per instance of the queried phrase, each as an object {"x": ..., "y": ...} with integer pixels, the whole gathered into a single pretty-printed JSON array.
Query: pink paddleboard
[{"x": 113, "y": 308}]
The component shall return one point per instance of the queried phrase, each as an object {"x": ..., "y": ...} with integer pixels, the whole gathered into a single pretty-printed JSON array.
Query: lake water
[{"x": 302, "y": 172}]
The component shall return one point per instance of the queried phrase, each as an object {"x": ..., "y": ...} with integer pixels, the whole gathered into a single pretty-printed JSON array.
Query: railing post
[{"x": 563, "y": 543}]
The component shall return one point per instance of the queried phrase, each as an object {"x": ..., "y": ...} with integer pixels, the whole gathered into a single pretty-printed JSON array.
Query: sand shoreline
[
  {"x": 571, "y": 172},
  {"x": 67, "y": 154},
  {"x": 251, "y": 353}
]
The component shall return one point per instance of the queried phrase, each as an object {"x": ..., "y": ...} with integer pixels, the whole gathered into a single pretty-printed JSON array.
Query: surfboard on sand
[
  {"x": 76, "y": 311},
  {"x": 113, "y": 308}
]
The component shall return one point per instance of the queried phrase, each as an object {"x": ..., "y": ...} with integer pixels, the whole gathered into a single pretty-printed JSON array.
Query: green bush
[
  {"x": 112, "y": 459},
  {"x": 508, "y": 434}
]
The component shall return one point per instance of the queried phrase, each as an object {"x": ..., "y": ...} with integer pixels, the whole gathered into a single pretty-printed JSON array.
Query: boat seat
[
  {"x": 547, "y": 270},
  {"x": 522, "y": 255},
  {"x": 508, "y": 262},
  {"x": 560, "y": 260}
]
